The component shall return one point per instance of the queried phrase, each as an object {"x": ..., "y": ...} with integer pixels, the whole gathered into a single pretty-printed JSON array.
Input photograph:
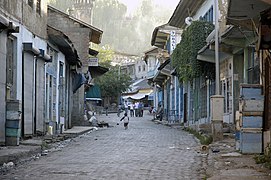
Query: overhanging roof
[
  {"x": 231, "y": 41},
  {"x": 95, "y": 35},
  {"x": 246, "y": 13},
  {"x": 151, "y": 52},
  {"x": 163, "y": 73},
  {"x": 64, "y": 44},
  {"x": 93, "y": 52},
  {"x": 161, "y": 35},
  {"x": 208, "y": 55},
  {"x": 184, "y": 9},
  {"x": 162, "y": 66},
  {"x": 96, "y": 71}
]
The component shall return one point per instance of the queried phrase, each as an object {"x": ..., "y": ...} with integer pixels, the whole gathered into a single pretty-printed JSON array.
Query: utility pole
[{"x": 217, "y": 101}]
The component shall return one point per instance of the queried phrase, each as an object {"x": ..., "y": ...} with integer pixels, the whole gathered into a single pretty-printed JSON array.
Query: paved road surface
[{"x": 145, "y": 151}]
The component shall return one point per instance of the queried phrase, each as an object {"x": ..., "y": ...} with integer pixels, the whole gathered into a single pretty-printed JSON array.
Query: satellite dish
[{"x": 188, "y": 20}]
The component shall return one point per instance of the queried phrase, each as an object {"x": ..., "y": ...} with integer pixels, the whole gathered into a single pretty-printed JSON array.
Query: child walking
[{"x": 125, "y": 119}]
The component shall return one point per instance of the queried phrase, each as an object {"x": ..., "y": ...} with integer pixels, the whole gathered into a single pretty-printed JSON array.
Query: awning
[
  {"x": 78, "y": 80},
  {"x": 93, "y": 99},
  {"x": 138, "y": 96},
  {"x": 93, "y": 92}
]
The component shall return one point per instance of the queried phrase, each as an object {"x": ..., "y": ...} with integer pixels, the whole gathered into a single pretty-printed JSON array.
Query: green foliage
[
  {"x": 184, "y": 57},
  {"x": 105, "y": 55},
  {"x": 265, "y": 158},
  {"x": 204, "y": 139},
  {"x": 113, "y": 82}
]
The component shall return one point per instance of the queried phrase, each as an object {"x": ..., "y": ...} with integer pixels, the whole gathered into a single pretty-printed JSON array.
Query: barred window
[{"x": 38, "y": 8}]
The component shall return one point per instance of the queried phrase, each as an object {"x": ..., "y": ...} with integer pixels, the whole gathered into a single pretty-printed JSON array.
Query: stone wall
[
  {"x": 19, "y": 10},
  {"x": 79, "y": 35}
]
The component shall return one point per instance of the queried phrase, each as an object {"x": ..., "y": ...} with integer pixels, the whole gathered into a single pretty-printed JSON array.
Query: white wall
[{"x": 25, "y": 36}]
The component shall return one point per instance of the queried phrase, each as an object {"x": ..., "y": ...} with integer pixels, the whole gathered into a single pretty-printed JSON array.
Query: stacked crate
[
  {"x": 13, "y": 122},
  {"x": 251, "y": 107}
]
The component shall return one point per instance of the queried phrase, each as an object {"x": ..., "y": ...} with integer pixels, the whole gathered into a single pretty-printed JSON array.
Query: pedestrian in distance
[
  {"x": 131, "y": 110},
  {"x": 125, "y": 120}
]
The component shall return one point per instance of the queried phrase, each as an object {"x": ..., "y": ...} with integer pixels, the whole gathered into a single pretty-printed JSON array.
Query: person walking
[
  {"x": 125, "y": 120},
  {"x": 131, "y": 110},
  {"x": 137, "y": 109}
]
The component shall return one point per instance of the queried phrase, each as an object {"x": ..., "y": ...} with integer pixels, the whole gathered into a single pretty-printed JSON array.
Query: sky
[{"x": 133, "y": 4}]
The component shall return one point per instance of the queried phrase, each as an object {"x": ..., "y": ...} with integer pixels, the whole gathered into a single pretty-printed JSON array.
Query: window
[
  {"x": 139, "y": 68},
  {"x": 208, "y": 16},
  {"x": 144, "y": 68},
  {"x": 38, "y": 8},
  {"x": 227, "y": 93},
  {"x": 30, "y": 3}
]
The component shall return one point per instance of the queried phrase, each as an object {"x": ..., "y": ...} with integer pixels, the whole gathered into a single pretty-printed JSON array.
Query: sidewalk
[
  {"x": 31, "y": 147},
  {"x": 221, "y": 160}
]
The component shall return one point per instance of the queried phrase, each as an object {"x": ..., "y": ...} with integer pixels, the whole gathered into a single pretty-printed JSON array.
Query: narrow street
[{"x": 145, "y": 151}]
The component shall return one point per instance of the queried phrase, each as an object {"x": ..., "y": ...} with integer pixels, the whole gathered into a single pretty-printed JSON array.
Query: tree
[
  {"x": 105, "y": 55},
  {"x": 112, "y": 83}
]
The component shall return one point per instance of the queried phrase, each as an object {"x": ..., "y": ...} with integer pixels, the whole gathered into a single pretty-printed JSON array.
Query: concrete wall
[{"x": 3, "y": 40}]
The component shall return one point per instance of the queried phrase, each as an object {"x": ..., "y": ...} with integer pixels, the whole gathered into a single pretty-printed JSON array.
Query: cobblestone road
[{"x": 145, "y": 151}]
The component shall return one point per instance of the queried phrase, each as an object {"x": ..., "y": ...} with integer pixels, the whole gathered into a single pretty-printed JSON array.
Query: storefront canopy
[
  {"x": 137, "y": 96},
  {"x": 94, "y": 93}
]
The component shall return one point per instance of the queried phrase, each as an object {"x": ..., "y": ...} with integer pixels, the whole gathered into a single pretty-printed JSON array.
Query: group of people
[{"x": 136, "y": 109}]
